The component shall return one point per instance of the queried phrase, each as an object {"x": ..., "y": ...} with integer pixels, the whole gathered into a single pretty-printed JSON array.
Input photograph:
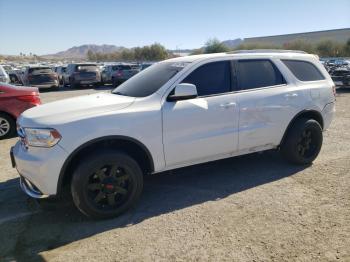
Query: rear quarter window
[
  {"x": 258, "y": 73},
  {"x": 303, "y": 70}
]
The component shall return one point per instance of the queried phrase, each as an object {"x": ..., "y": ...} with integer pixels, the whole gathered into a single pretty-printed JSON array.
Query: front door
[{"x": 205, "y": 127}]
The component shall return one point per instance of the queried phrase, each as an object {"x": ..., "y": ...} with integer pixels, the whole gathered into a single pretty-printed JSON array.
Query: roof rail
[{"x": 265, "y": 51}]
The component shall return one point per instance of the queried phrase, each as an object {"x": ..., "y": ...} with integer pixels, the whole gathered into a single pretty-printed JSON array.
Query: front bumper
[
  {"x": 39, "y": 168},
  {"x": 30, "y": 189}
]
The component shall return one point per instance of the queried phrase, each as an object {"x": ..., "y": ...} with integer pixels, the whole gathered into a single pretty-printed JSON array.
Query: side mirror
[{"x": 182, "y": 92}]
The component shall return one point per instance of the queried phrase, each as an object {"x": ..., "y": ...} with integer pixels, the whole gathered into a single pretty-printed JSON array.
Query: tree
[
  {"x": 347, "y": 48},
  {"x": 215, "y": 46},
  {"x": 330, "y": 48},
  {"x": 302, "y": 45},
  {"x": 91, "y": 55},
  {"x": 197, "y": 51}
]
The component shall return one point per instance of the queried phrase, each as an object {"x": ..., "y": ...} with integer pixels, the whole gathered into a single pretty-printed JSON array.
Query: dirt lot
[{"x": 249, "y": 208}]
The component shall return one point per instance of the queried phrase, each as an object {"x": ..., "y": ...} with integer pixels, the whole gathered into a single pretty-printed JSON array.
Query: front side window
[
  {"x": 212, "y": 78},
  {"x": 304, "y": 71},
  {"x": 257, "y": 74}
]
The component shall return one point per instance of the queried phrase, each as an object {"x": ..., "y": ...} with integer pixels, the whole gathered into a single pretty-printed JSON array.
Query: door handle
[
  {"x": 291, "y": 95},
  {"x": 228, "y": 105}
]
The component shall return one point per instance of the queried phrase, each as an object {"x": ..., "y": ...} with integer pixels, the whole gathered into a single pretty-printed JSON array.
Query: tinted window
[
  {"x": 150, "y": 80},
  {"x": 258, "y": 73},
  {"x": 124, "y": 67},
  {"x": 212, "y": 78},
  {"x": 86, "y": 68},
  {"x": 40, "y": 70},
  {"x": 304, "y": 71}
]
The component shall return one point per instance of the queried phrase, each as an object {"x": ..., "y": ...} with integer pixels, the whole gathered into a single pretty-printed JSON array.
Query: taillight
[
  {"x": 30, "y": 77},
  {"x": 33, "y": 99},
  {"x": 334, "y": 91}
]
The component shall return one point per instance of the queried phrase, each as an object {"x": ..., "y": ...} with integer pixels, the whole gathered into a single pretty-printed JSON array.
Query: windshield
[{"x": 150, "y": 80}]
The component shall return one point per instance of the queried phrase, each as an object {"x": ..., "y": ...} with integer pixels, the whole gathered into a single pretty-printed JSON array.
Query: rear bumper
[
  {"x": 328, "y": 115},
  {"x": 46, "y": 86},
  {"x": 87, "y": 82}
]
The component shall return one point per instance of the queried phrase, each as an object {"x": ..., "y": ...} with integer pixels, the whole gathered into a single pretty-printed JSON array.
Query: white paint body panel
[{"x": 178, "y": 133}]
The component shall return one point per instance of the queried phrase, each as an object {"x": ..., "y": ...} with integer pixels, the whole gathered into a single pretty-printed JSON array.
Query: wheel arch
[
  {"x": 9, "y": 114},
  {"x": 307, "y": 113},
  {"x": 129, "y": 145}
]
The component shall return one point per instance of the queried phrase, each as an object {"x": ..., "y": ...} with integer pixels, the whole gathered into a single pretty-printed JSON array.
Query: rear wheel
[
  {"x": 303, "y": 142},
  {"x": 114, "y": 82},
  {"x": 106, "y": 184},
  {"x": 72, "y": 84},
  {"x": 7, "y": 126}
]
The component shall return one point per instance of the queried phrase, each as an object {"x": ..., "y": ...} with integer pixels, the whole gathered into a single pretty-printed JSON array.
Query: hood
[{"x": 72, "y": 109}]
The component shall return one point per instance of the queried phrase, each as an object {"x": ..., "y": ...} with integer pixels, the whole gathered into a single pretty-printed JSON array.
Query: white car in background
[
  {"x": 4, "y": 77},
  {"x": 176, "y": 113}
]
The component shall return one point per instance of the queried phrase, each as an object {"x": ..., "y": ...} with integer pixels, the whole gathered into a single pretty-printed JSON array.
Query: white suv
[{"x": 176, "y": 113}]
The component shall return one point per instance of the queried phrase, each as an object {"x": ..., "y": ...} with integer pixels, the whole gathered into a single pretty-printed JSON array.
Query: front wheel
[
  {"x": 106, "y": 184},
  {"x": 303, "y": 142}
]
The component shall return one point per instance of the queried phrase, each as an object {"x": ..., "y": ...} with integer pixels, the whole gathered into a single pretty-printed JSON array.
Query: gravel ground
[{"x": 248, "y": 208}]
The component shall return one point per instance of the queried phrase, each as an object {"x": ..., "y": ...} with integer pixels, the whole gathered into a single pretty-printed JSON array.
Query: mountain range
[{"x": 80, "y": 52}]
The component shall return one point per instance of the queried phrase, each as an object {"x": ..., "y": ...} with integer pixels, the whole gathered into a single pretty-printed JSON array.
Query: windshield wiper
[{"x": 118, "y": 93}]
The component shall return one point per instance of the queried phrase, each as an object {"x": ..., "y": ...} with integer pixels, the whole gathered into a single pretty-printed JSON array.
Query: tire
[
  {"x": 99, "y": 192},
  {"x": 303, "y": 142},
  {"x": 72, "y": 84},
  {"x": 114, "y": 83},
  {"x": 62, "y": 84},
  {"x": 7, "y": 126}
]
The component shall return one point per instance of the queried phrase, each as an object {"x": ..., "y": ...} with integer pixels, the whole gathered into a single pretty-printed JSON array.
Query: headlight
[{"x": 41, "y": 137}]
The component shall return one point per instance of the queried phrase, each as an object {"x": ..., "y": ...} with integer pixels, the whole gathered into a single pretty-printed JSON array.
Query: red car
[{"x": 13, "y": 101}]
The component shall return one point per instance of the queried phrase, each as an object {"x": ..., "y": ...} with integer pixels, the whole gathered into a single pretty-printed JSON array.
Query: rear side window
[
  {"x": 211, "y": 78},
  {"x": 304, "y": 71},
  {"x": 258, "y": 73}
]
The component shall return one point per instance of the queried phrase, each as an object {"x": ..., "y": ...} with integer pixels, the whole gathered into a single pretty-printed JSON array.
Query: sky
[{"x": 46, "y": 27}]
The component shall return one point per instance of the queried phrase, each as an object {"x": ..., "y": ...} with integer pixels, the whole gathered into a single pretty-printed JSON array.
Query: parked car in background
[
  {"x": 4, "y": 77},
  {"x": 60, "y": 71},
  {"x": 178, "y": 112},
  {"x": 107, "y": 73},
  {"x": 41, "y": 77},
  {"x": 145, "y": 65},
  {"x": 13, "y": 101},
  {"x": 124, "y": 72},
  {"x": 341, "y": 76},
  {"x": 81, "y": 74},
  {"x": 15, "y": 77}
]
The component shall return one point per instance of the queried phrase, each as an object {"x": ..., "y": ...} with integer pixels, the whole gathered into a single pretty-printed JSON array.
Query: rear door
[
  {"x": 205, "y": 127},
  {"x": 266, "y": 103}
]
